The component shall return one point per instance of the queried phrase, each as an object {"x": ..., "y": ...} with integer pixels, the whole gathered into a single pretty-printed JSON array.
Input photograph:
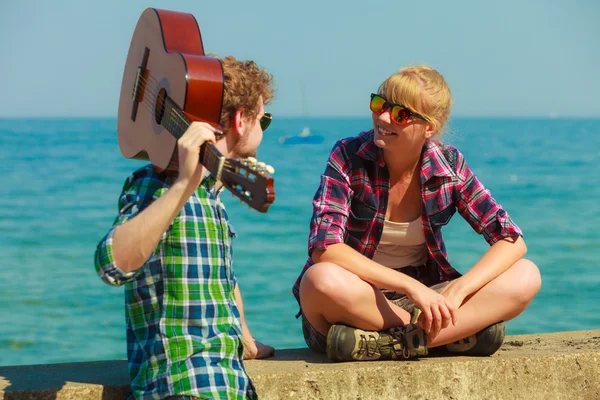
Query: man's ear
[{"x": 238, "y": 124}]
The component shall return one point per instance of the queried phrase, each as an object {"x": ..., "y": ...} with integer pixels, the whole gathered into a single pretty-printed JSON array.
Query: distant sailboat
[{"x": 304, "y": 137}]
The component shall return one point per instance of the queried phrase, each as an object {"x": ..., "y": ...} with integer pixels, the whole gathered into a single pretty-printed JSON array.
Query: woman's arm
[
  {"x": 437, "y": 310},
  {"x": 368, "y": 270},
  {"x": 487, "y": 217},
  {"x": 326, "y": 243},
  {"x": 496, "y": 260}
]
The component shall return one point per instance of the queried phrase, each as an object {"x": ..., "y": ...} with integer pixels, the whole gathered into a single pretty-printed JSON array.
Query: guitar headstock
[{"x": 250, "y": 181}]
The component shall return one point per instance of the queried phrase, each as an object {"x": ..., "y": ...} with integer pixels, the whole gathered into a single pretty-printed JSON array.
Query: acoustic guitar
[{"x": 168, "y": 82}]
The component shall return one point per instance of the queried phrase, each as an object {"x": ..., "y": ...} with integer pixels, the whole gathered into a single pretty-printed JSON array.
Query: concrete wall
[{"x": 549, "y": 366}]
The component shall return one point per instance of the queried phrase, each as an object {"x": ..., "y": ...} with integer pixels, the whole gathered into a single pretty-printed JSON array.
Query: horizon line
[{"x": 465, "y": 116}]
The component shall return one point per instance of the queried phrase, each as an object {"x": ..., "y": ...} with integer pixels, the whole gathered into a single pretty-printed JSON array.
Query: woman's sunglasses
[
  {"x": 399, "y": 114},
  {"x": 265, "y": 121}
]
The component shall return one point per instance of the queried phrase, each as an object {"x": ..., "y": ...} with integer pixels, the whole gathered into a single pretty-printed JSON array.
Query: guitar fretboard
[{"x": 175, "y": 121}]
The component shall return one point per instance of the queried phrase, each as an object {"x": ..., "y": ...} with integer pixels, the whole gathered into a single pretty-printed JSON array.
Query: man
[{"x": 171, "y": 245}]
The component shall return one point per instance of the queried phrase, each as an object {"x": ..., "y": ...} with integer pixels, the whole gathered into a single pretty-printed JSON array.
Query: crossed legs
[{"x": 330, "y": 294}]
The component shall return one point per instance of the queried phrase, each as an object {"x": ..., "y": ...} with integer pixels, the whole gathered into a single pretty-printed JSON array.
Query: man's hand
[
  {"x": 188, "y": 147},
  {"x": 256, "y": 350}
]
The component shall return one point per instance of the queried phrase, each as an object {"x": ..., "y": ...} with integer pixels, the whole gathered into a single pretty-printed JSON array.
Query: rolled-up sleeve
[
  {"x": 480, "y": 209},
  {"x": 331, "y": 204},
  {"x": 138, "y": 193}
]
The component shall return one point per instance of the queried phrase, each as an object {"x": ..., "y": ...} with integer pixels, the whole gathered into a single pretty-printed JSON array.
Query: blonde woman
[{"x": 377, "y": 258}]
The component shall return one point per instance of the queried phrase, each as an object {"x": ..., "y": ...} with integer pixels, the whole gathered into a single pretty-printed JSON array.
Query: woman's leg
[
  {"x": 329, "y": 294},
  {"x": 500, "y": 300}
]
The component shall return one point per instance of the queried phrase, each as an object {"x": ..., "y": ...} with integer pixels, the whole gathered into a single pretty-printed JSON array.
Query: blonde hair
[
  {"x": 421, "y": 89},
  {"x": 244, "y": 84}
]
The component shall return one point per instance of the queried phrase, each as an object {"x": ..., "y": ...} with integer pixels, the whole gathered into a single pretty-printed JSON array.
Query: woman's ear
[{"x": 429, "y": 130}]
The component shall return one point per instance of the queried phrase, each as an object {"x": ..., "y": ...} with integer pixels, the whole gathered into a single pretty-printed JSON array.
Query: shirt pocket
[
  {"x": 362, "y": 216},
  {"x": 442, "y": 217}
]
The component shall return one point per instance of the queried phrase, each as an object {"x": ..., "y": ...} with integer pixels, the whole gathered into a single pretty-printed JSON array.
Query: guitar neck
[{"x": 176, "y": 122}]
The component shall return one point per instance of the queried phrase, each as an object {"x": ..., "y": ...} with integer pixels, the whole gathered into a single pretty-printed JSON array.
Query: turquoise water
[{"x": 61, "y": 179}]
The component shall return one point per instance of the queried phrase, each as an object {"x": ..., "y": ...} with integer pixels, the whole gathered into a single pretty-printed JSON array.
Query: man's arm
[
  {"x": 135, "y": 240},
  {"x": 252, "y": 348}
]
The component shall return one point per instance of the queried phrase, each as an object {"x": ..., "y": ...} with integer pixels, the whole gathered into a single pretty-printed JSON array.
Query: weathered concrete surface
[{"x": 549, "y": 366}]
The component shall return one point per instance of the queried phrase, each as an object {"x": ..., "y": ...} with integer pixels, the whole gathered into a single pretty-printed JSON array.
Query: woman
[{"x": 376, "y": 248}]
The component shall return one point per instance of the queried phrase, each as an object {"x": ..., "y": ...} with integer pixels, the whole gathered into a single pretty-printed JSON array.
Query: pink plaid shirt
[{"x": 351, "y": 202}]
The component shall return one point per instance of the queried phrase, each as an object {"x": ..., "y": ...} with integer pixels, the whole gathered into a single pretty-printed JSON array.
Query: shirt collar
[
  {"x": 433, "y": 162},
  {"x": 210, "y": 182},
  {"x": 368, "y": 150}
]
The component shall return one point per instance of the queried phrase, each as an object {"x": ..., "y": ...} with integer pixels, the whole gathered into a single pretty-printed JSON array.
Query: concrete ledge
[{"x": 547, "y": 366}]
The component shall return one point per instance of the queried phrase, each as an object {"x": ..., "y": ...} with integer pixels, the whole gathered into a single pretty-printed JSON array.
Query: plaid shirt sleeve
[
  {"x": 139, "y": 191},
  {"x": 331, "y": 203},
  {"x": 480, "y": 210}
]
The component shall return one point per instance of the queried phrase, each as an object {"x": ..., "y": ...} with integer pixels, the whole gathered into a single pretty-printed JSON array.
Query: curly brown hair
[{"x": 244, "y": 84}]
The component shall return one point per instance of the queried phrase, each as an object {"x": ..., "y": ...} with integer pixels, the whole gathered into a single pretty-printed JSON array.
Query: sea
[{"x": 60, "y": 180}]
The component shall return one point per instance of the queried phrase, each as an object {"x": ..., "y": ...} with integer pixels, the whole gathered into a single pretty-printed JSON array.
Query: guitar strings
[
  {"x": 151, "y": 85},
  {"x": 210, "y": 153},
  {"x": 154, "y": 94}
]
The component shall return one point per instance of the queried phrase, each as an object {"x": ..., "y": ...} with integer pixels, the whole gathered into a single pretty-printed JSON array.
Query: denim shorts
[{"x": 426, "y": 274}]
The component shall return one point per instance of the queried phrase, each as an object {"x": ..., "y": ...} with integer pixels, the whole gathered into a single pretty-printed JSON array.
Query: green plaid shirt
[{"x": 184, "y": 335}]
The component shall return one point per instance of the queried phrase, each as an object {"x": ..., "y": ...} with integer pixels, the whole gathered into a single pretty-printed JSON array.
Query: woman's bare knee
[
  {"x": 326, "y": 283},
  {"x": 520, "y": 285},
  {"x": 529, "y": 283},
  {"x": 322, "y": 278}
]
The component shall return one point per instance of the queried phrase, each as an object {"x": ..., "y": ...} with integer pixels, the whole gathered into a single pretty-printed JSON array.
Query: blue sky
[{"x": 501, "y": 58}]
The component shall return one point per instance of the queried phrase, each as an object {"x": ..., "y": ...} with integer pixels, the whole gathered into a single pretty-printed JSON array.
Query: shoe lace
[
  {"x": 399, "y": 338},
  {"x": 363, "y": 346}
]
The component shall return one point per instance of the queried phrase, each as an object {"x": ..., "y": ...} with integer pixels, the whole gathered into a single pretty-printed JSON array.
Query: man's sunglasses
[
  {"x": 399, "y": 114},
  {"x": 265, "y": 121}
]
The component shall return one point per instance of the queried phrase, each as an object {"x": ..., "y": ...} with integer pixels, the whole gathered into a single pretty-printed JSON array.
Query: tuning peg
[
  {"x": 260, "y": 167},
  {"x": 270, "y": 170},
  {"x": 251, "y": 161}
]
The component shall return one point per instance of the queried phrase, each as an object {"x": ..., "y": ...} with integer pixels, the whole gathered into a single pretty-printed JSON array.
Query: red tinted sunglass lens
[
  {"x": 377, "y": 104},
  {"x": 400, "y": 114}
]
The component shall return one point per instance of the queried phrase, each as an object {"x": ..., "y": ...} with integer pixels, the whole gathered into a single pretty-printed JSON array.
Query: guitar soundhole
[{"x": 159, "y": 108}]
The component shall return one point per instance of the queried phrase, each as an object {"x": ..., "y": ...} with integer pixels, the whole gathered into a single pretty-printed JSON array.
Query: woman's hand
[
  {"x": 454, "y": 293},
  {"x": 436, "y": 311},
  {"x": 188, "y": 147}
]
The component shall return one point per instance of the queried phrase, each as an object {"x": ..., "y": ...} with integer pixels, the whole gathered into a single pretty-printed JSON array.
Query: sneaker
[
  {"x": 345, "y": 343},
  {"x": 484, "y": 343}
]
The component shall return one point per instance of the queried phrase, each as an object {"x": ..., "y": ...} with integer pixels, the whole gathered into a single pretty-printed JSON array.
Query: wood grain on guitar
[{"x": 168, "y": 82}]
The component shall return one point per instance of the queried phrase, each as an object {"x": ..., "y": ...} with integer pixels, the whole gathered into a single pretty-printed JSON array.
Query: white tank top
[{"x": 402, "y": 244}]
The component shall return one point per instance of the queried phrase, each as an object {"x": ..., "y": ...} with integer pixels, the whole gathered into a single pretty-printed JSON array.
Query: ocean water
[{"x": 60, "y": 180}]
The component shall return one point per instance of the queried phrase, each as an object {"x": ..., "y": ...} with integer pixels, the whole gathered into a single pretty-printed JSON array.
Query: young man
[{"x": 171, "y": 245}]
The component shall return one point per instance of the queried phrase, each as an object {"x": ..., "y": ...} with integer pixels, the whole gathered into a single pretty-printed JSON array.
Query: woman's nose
[{"x": 385, "y": 117}]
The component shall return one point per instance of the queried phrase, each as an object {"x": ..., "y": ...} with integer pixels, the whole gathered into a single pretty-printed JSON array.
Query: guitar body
[
  {"x": 166, "y": 58},
  {"x": 168, "y": 82}
]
